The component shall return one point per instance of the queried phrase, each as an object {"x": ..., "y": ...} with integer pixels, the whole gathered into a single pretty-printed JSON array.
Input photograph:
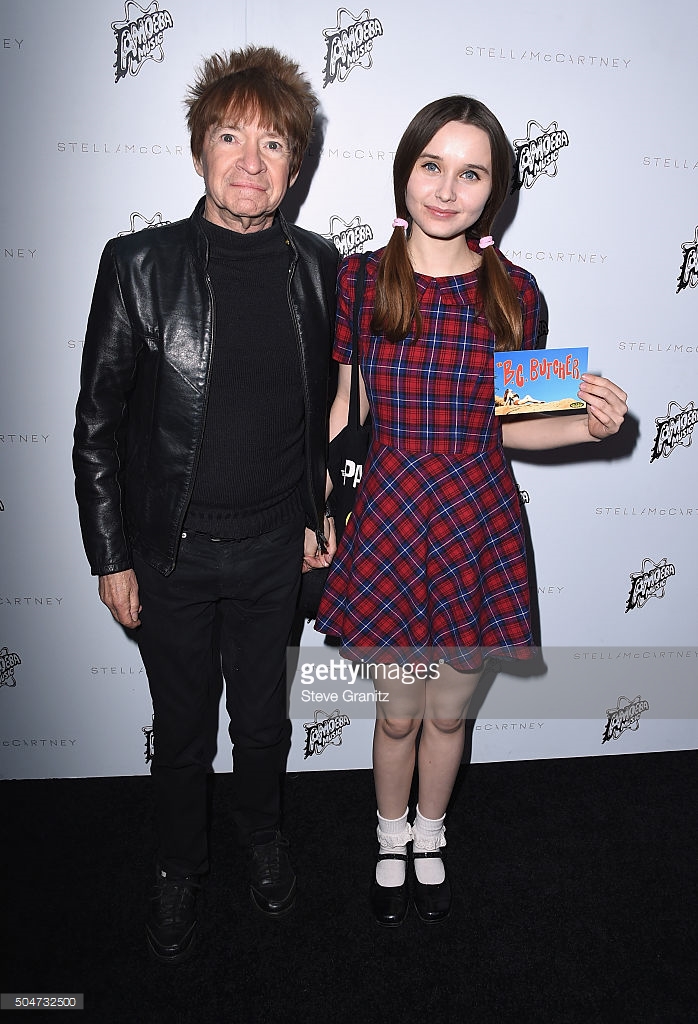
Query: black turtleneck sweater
[{"x": 251, "y": 462}]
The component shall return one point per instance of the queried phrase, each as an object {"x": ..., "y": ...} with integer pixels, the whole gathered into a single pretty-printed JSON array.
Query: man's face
[{"x": 246, "y": 171}]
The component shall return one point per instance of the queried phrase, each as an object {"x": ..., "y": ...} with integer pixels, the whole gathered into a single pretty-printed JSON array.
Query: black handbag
[
  {"x": 348, "y": 450},
  {"x": 345, "y": 460}
]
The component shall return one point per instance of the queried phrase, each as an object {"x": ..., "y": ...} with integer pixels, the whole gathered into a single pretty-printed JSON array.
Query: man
[{"x": 200, "y": 460}]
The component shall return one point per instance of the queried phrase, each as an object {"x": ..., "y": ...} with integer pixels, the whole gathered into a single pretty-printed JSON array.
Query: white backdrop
[{"x": 94, "y": 143}]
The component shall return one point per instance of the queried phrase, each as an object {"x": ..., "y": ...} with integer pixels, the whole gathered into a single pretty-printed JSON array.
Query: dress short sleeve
[{"x": 346, "y": 290}]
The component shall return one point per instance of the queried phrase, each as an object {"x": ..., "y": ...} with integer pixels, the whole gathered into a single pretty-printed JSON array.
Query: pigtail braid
[
  {"x": 499, "y": 302},
  {"x": 396, "y": 307}
]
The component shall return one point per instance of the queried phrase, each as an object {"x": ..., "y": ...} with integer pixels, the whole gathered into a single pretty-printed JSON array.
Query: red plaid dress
[{"x": 432, "y": 562}]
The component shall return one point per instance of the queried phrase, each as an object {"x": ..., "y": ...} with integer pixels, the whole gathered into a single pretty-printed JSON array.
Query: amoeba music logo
[
  {"x": 349, "y": 45},
  {"x": 147, "y": 731},
  {"x": 625, "y": 715},
  {"x": 139, "y": 37},
  {"x": 8, "y": 663},
  {"x": 537, "y": 154},
  {"x": 351, "y": 237},
  {"x": 139, "y": 222},
  {"x": 689, "y": 267},
  {"x": 674, "y": 429},
  {"x": 325, "y": 730},
  {"x": 649, "y": 582}
]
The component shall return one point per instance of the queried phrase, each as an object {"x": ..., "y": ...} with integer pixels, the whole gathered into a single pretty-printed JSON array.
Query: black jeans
[{"x": 227, "y": 606}]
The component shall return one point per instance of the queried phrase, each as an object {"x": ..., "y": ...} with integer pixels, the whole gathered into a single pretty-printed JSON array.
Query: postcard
[{"x": 538, "y": 380}]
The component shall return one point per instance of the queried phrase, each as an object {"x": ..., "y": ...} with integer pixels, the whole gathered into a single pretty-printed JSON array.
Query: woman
[{"x": 432, "y": 566}]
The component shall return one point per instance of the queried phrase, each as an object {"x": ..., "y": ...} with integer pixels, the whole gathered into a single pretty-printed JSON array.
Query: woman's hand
[
  {"x": 313, "y": 557},
  {"x": 606, "y": 407}
]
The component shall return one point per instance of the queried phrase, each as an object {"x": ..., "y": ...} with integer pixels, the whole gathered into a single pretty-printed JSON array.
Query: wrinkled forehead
[
  {"x": 233, "y": 122},
  {"x": 248, "y": 112}
]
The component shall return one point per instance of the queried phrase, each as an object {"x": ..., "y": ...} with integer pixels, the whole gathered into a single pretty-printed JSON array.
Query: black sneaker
[
  {"x": 171, "y": 926},
  {"x": 272, "y": 880}
]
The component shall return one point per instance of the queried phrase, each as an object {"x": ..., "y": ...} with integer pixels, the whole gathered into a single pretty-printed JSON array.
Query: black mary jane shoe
[
  {"x": 389, "y": 903},
  {"x": 432, "y": 902}
]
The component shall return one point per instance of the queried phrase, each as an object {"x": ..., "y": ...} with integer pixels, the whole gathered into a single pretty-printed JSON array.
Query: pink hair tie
[
  {"x": 400, "y": 223},
  {"x": 485, "y": 241}
]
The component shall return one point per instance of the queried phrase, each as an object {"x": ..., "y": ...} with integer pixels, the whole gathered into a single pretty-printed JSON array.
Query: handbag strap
[{"x": 354, "y": 411}]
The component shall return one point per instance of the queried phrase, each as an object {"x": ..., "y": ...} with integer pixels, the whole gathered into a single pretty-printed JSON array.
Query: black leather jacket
[{"x": 144, "y": 386}]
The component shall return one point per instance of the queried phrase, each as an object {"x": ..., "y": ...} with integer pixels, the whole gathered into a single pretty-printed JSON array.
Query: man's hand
[{"x": 119, "y": 592}]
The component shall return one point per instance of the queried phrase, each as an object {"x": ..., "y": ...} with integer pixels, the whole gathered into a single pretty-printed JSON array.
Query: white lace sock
[
  {"x": 428, "y": 834},
  {"x": 393, "y": 836}
]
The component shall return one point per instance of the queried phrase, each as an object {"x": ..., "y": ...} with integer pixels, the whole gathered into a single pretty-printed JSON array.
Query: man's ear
[
  {"x": 292, "y": 180},
  {"x": 198, "y": 166}
]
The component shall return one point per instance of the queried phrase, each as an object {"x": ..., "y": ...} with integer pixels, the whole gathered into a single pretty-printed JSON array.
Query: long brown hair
[{"x": 397, "y": 307}]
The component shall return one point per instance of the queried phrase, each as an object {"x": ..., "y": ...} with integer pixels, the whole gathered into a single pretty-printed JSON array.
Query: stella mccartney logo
[
  {"x": 349, "y": 44},
  {"x": 20, "y": 252},
  {"x": 541, "y": 57},
  {"x": 8, "y": 663},
  {"x": 24, "y": 438},
  {"x": 326, "y": 730},
  {"x": 659, "y": 349},
  {"x": 546, "y": 256},
  {"x": 649, "y": 582},
  {"x": 351, "y": 237},
  {"x": 139, "y": 37},
  {"x": 537, "y": 154},
  {"x": 139, "y": 222},
  {"x": 689, "y": 267},
  {"x": 676, "y": 428},
  {"x": 625, "y": 715}
]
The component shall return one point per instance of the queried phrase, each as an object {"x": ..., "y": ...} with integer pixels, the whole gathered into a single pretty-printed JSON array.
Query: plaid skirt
[{"x": 432, "y": 562}]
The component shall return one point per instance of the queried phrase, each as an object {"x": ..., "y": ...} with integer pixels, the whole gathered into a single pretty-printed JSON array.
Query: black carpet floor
[{"x": 574, "y": 885}]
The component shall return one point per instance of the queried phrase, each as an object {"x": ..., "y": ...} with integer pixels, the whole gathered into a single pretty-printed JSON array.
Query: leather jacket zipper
[
  {"x": 322, "y": 543},
  {"x": 200, "y": 440}
]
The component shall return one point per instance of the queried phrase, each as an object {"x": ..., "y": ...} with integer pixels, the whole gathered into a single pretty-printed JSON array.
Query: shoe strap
[
  {"x": 426, "y": 853},
  {"x": 392, "y": 856}
]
